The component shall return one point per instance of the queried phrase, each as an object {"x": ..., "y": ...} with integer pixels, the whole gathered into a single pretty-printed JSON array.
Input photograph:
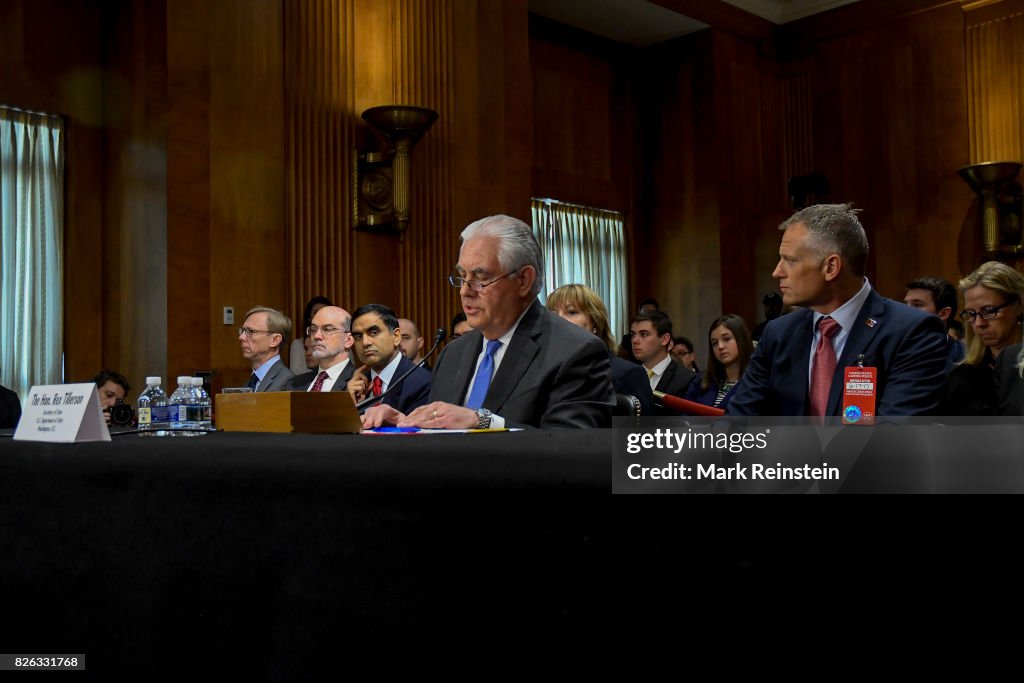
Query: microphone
[{"x": 439, "y": 336}]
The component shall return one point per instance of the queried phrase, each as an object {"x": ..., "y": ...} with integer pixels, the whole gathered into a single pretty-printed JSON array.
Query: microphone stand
[{"x": 439, "y": 336}]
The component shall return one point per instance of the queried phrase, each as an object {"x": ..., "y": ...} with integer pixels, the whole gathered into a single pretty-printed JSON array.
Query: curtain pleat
[
  {"x": 586, "y": 246},
  {"x": 31, "y": 249}
]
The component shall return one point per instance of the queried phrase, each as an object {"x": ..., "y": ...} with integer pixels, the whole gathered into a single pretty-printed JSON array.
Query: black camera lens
[{"x": 121, "y": 415}]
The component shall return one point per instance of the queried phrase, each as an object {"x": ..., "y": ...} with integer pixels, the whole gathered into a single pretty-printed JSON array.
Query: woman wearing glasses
[{"x": 992, "y": 317}]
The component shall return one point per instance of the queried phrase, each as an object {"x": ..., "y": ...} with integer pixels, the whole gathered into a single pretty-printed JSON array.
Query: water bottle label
[
  {"x": 161, "y": 414},
  {"x": 182, "y": 413},
  {"x": 144, "y": 416}
]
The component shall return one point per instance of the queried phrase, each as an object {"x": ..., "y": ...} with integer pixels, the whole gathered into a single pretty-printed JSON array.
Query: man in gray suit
[
  {"x": 262, "y": 336},
  {"x": 331, "y": 336},
  {"x": 520, "y": 365}
]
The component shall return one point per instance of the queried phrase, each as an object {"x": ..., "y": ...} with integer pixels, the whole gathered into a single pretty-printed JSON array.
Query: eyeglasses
[
  {"x": 248, "y": 332},
  {"x": 985, "y": 313},
  {"x": 327, "y": 330},
  {"x": 475, "y": 285}
]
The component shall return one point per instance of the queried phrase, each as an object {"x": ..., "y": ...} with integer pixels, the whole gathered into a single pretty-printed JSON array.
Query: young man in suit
[
  {"x": 651, "y": 337},
  {"x": 331, "y": 342},
  {"x": 798, "y": 367},
  {"x": 521, "y": 365},
  {"x": 262, "y": 336},
  {"x": 377, "y": 338}
]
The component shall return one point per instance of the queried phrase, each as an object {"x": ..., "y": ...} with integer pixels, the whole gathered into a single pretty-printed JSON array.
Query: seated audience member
[
  {"x": 625, "y": 351},
  {"x": 772, "y": 305},
  {"x": 261, "y": 337},
  {"x": 112, "y": 387},
  {"x": 10, "y": 409},
  {"x": 936, "y": 296},
  {"x": 331, "y": 339},
  {"x": 652, "y": 337},
  {"x": 799, "y": 365},
  {"x": 729, "y": 350},
  {"x": 683, "y": 353},
  {"x": 307, "y": 355},
  {"x": 412, "y": 340},
  {"x": 581, "y": 306},
  {"x": 377, "y": 342},
  {"x": 1010, "y": 380},
  {"x": 521, "y": 365},
  {"x": 992, "y": 311},
  {"x": 297, "y": 354},
  {"x": 648, "y": 306},
  {"x": 956, "y": 330},
  {"x": 459, "y": 325}
]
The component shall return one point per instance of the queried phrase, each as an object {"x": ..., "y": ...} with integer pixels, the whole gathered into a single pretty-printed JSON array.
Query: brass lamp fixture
[
  {"x": 1000, "y": 211},
  {"x": 381, "y": 181}
]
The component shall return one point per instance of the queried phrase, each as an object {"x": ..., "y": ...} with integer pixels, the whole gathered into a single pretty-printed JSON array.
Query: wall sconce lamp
[
  {"x": 381, "y": 190},
  {"x": 1000, "y": 199}
]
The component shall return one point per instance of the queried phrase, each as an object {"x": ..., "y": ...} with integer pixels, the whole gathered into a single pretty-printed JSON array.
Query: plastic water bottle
[
  {"x": 204, "y": 414},
  {"x": 153, "y": 411},
  {"x": 179, "y": 403}
]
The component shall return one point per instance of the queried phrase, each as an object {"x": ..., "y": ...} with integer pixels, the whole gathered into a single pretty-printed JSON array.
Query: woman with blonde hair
[
  {"x": 581, "y": 306},
  {"x": 992, "y": 316}
]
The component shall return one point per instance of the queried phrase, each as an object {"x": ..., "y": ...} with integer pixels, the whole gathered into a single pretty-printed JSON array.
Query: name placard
[{"x": 62, "y": 413}]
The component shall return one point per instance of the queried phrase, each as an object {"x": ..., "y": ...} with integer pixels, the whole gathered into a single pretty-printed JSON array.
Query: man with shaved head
[
  {"x": 412, "y": 340},
  {"x": 331, "y": 337}
]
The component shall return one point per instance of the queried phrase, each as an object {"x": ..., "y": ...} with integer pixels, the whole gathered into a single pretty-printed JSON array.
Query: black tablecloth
[{"x": 275, "y": 554}]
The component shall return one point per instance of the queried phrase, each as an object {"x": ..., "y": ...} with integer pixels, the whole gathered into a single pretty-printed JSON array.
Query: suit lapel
[
  {"x": 800, "y": 357},
  {"x": 666, "y": 378},
  {"x": 870, "y": 319},
  {"x": 517, "y": 359},
  {"x": 269, "y": 377}
]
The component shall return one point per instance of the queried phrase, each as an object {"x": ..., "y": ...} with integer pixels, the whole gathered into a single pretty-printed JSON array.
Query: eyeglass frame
[
  {"x": 457, "y": 281},
  {"x": 248, "y": 332},
  {"x": 986, "y": 312},
  {"x": 328, "y": 330}
]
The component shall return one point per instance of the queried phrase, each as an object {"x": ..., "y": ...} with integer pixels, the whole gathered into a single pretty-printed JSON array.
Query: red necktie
[
  {"x": 824, "y": 366},
  {"x": 319, "y": 383},
  {"x": 378, "y": 387}
]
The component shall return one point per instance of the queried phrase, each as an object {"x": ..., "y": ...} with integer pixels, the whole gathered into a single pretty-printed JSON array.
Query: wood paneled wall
[
  {"x": 342, "y": 58},
  {"x": 995, "y": 80}
]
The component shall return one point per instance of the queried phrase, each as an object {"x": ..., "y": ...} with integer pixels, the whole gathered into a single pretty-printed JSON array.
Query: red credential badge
[{"x": 860, "y": 387}]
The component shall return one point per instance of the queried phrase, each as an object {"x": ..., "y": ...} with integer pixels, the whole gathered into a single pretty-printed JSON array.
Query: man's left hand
[{"x": 440, "y": 415}]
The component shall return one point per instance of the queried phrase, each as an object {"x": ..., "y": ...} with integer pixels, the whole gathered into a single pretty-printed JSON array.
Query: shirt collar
[
  {"x": 846, "y": 315},
  {"x": 334, "y": 372},
  {"x": 507, "y": 337},
  {"x": 389, "y": 370},
  {"x": 660, "y": 368},
  {"x": 262, "y": 370}
]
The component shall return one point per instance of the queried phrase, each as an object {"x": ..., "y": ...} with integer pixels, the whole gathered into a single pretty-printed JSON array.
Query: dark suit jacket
[
  {"x": 10, "y": 409},
  {"x": 907, "y": 346},
  {"x": 630, "y": 378},
  {"x": 707, "y": 396},
  {"x": 675, "y": 380},
  {"x": 278, "y": 378},
  {"x": 1011, "y": 386},
  {"x": 300, "y": 382},
  {"x": 413, "y": 392},
  {"x": 553, "y": 374}
]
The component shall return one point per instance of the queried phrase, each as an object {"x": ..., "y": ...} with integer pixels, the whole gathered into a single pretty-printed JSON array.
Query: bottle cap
[
  {"x": 183, "y": 379},
  {"x": 153, "y": 381}
]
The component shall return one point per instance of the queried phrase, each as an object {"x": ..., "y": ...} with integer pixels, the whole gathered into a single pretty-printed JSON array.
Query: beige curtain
[
  {"x": 31, "y": 249},
  {"x": 587, "y": 246}
]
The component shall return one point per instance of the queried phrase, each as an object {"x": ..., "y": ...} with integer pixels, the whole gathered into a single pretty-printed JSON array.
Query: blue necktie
[
  {"x": 482, "y": 381},
  {"x": 253, "y": 381}
]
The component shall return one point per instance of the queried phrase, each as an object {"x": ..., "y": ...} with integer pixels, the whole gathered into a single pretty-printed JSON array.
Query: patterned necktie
[
  {"x": 253, "y": 382},
  {"x": 318, "y": 385},
  {"x": 650, "y": 374},
  {"x": 482, "y": 381},
  {"x": 824, "y": 367},
  {"x": 378, "y": 387}
]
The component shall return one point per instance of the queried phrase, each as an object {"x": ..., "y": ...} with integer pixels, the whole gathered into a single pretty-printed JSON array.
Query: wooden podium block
[{"x": 330, "y": 412}]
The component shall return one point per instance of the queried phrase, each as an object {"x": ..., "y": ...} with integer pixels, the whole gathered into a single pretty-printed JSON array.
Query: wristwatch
[{"x": 484, "y": 416}]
